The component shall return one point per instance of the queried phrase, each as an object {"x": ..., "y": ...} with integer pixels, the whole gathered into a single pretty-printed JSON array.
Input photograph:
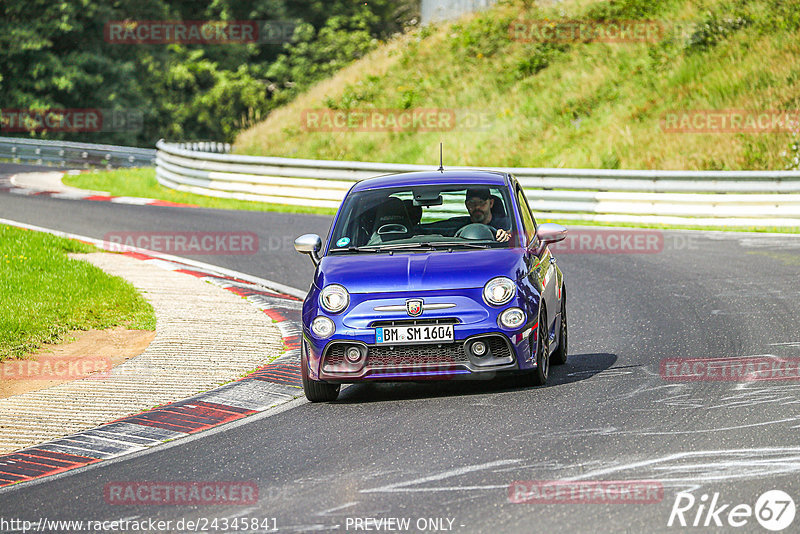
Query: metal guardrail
[
  {"x": 732, "y": 198},
  {"x": 443, "y": 10},
  {"x": 71, "y": 155}
]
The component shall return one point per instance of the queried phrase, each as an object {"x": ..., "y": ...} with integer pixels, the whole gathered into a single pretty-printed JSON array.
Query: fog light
[
  {"x": 512, "y": 318},
  {"x": 322, "y": 327},
  {"x": 353, "y": 355},
  {"x": 479, "y": 348}
]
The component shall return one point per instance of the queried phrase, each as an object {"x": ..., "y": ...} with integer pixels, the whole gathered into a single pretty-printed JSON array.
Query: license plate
[{"x": 429, "y": 333}]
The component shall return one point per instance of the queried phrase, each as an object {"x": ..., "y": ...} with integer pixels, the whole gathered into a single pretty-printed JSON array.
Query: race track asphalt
[{"x": 450, "y": 450}]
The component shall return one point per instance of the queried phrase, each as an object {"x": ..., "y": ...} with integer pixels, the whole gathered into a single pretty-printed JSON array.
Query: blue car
[{"x": 432, "y": 275}]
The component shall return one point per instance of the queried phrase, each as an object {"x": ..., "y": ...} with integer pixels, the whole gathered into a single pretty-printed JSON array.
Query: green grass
[
  {"x": 44, "y": 294},
  {"x": 142, "y": 183},
  {"x": 583, "y": 105}
]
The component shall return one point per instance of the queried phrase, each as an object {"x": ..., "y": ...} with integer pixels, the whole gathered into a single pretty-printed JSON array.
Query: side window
[{"x": 527, "y": 218}]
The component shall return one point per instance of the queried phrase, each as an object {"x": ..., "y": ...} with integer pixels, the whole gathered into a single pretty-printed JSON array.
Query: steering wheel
[{"x": 476, "y": 232}]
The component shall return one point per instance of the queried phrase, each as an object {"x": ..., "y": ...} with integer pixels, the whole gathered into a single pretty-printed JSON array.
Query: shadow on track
[{"x": 579, "y": 367}]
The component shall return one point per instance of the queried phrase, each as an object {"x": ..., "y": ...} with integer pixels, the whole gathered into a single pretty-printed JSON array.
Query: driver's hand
[{"x": 502, "y": 235}]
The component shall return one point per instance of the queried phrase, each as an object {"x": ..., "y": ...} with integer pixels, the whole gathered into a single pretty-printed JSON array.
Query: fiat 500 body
[{"x": 432, "y": 275}]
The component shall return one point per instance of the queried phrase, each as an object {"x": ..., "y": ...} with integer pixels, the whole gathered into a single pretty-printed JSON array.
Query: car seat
[
  {"x": 391, "y": 222},
  {"x": 498, "y": 210}
]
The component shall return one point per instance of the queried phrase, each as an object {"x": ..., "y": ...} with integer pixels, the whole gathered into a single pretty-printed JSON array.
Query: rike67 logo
[{"x": 774, "y": 510}]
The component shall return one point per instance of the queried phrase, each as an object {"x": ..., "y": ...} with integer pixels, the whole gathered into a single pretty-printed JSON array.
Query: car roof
[{"x": 455, "y": 177}]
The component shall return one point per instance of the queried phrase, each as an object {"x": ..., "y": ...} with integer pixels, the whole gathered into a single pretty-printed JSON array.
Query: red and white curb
[
  {"x": 7, "y": 185},
  {"x": 269, "y": 386}
]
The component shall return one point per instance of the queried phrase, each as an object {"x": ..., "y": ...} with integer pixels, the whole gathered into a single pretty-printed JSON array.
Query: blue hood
[{"x": 379, "y": 273}]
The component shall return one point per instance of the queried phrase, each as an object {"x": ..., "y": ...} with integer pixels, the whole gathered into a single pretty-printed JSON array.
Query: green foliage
[
  {"x": 714, "y": 29},
  {"x": 538, "y": 58},
  {"x": 53, "y": 55},
  {"x": 358, "y": 95},
  {"x": 791, "y": 155},
  {"x": 785, "y": 16},
  {"x": 628, "y": 9},
  {"x": 481, "y": 36},
  {"x": 315, "y": 55},
  {"x": 610, "y": 160},
  {"x": 576, "y": 103}
]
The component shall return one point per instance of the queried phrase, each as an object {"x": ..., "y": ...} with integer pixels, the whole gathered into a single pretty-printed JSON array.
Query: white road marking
[
  {"x": 696, "y": 431},
  {"x": 401, "y": 487},
  {"x": 744, "y": 463},
  {"x": 246, "y": 512},
  {"x": 337, "y": 508},
  {"x": 684, "y": 469}
]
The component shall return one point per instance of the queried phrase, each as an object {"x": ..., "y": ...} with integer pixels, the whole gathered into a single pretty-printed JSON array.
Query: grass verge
[
  {"x": 44, "y": 294},
  {"x": 142, "y": 183},
  {"x": 584, "y": 104}
]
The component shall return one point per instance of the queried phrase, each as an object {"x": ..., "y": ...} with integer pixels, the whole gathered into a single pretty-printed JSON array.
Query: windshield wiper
[
  {"x": 467, "y": 244},
  {"x": 413, "y": 246},
  {"x": 434, "y": 245},
  {"x": 401, "y": 246},
  {"x": 364, "y": 248}
]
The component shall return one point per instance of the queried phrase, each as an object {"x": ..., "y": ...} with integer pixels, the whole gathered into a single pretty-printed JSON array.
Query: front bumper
[{"x": 472, "y": 320}]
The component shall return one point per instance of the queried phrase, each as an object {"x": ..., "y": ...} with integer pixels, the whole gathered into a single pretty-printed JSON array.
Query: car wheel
[
  {"x": 315, "y": 390},
  {"x": 559, "y": 357},
  {"x": 538, "y": 377}
]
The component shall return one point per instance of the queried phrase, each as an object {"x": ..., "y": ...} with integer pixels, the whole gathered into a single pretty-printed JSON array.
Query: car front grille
[
  {"x": 408, "y": 357},
  {"x": 412, "y": 355}
]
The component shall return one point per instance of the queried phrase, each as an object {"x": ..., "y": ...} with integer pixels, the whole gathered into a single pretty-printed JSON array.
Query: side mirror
[
  {"x": 309, "y": 244},
  {"x": 549, "y": 233}
]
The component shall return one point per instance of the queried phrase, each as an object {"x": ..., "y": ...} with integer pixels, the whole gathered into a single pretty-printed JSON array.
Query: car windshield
[{"x": 425, "y": 218}]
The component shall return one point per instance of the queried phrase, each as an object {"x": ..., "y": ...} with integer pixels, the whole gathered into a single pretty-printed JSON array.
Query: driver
[{"x": 479, "y": 203}]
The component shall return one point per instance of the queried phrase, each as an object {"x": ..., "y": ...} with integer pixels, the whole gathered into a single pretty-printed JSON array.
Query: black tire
[
  {"x": 538, "y": 377},
  {"x": 559, "y": 357},
  {"x": 315, "y": 390}
]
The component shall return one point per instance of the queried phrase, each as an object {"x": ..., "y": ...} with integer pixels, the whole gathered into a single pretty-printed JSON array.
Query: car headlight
[
  {"x": 322, "y": 327},
  {"x": 512, "y": 318},
  {"x": 334, "y": 298},
  {"x": 499, "y": 291}
]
